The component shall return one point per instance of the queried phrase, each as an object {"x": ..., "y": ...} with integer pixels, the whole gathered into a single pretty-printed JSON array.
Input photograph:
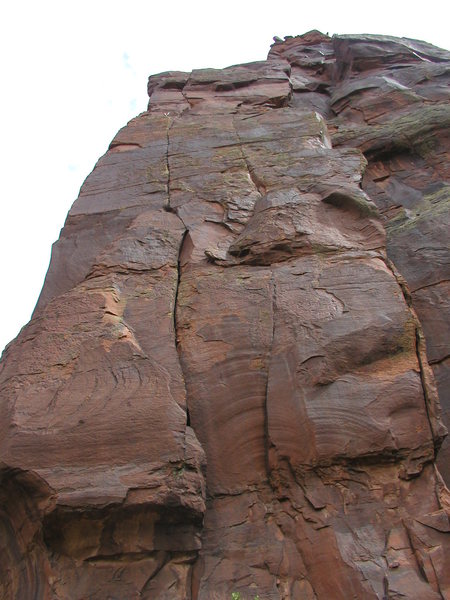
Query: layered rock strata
[{"x": 228, "y": 383}]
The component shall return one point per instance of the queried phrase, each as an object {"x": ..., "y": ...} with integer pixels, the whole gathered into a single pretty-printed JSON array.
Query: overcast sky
[{"x": 73, "y": 73}]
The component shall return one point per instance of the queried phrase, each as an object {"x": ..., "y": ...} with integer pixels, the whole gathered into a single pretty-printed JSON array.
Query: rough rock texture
[{"x": 225, "y": 385}]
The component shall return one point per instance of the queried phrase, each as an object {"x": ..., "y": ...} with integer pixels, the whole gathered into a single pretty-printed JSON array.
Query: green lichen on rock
[{"x": 434, "y": 206}]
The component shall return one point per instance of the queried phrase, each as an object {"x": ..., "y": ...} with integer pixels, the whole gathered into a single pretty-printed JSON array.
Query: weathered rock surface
[{"x": 228, "y": 383}]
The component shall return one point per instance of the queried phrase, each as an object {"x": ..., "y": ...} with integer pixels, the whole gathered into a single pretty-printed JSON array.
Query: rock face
[{"x": 228, "y": 383}]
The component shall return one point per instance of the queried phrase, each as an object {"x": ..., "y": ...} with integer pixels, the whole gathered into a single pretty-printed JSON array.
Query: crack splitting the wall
[
  {"x": 431, "y": 398},
  {"x": 169, "y": 126},
  {"x": 170, "y": 208},
  {"x": 260, "y": 188},
  {"x": 419, "y": 563},
  {"x": 432, "y": 403},
  {"x": 177, "y": 289},
  {"x": 183, "y": 93},
  {"x": 267, "y": 442}
]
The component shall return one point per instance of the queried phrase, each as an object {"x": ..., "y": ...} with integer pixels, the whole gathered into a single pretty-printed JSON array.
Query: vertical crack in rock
[
  {"x": 177, "y": 289},
  {"x": 169, "y": 126},
  {"x": 175, "y": 323},
  {"x": 267, "y": 442},
  {"x": 261, "y": 190},
  {"x": 291, "y": 88},
  {"x": 419, "y": 560},
  {"x": 169, "y": 208},
  {"x": 183, "y": 93},
  {"x": 259, "y": 186},
  {"x": 431, "y": 398},
  {"x": 432, "y": 403}
]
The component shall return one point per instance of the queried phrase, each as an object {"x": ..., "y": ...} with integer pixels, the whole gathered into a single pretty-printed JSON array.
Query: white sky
[{"x": 73, "y": 73}]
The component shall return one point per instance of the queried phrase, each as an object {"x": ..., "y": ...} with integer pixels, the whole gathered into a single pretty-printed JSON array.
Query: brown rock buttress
[{"x": 228, "y": 383}]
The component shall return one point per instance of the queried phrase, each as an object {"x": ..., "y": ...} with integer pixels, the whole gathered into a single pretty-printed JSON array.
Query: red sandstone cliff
[{"x": 229, "y": 381}]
